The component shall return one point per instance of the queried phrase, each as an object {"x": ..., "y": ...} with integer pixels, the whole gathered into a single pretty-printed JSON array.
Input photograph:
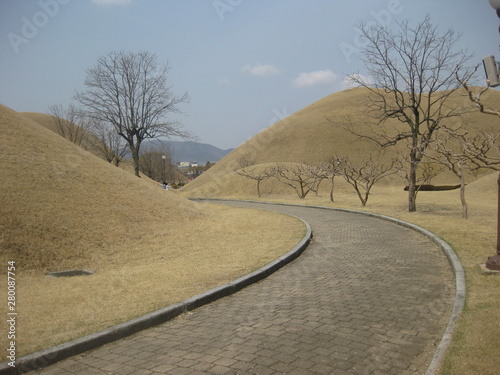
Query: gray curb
[
  {"x": 460, "y": 289},
  {"x": 57, "y": 353}
]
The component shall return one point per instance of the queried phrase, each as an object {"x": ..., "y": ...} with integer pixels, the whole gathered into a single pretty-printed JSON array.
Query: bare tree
[
  {"x": 332, "y": 168},
  {"x": 70, "y": 122},
  {"x": 129, "y": 91},
  {"x": 364, "y": 175},
  {"x": 482, "y": 151},
  {"x": 413, "y": 73},
  {"x": 454, "y": 159},
  {"x": 459, "y": 152},
  {"x": 303, "y": 178},
  {"x": 246, "y": 161},
  {"x": 256, "y": 173},
  {"x": 109, "y": 144}
]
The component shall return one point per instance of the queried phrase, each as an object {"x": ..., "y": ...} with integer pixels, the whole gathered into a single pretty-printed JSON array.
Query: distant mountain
[{"x": 194, "y": 151}]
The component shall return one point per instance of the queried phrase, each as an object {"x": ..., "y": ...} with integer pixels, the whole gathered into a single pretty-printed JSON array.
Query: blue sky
[{"x": 244, "y": 63}]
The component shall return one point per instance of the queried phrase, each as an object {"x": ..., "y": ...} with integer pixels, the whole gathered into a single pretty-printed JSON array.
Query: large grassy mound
[
  {"x": 64, "y": 208},
  {"x": 318, "y": 132},
  {"x": 85, "y": 139}
]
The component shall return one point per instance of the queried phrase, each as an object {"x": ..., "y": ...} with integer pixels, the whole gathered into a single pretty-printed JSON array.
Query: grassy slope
[
  {"x": 307, "y": 136},
  {"x": 87, "y": 140},
  {"x": 63, "y": 208},
  {"x": 316, "y": 133},
  {"x": 56, "y": 192}
]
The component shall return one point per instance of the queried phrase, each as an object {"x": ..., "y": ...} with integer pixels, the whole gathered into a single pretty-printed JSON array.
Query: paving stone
[{"x": 366, "y": 297}]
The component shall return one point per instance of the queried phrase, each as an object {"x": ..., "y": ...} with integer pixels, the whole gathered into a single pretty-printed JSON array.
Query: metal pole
[
  {"x": 163, "y": 167},
  {"x": 493, "y": 262},
  {"x": 498, "y": 216}
]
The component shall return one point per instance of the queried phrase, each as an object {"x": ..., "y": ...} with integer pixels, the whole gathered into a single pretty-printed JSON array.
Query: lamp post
[
  {"x": 164, "y": 158},
  {"x": 493, "y": 262}
]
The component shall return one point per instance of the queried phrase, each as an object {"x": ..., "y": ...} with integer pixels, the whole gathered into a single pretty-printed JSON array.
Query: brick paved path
[{"x": 367, "y": 297}]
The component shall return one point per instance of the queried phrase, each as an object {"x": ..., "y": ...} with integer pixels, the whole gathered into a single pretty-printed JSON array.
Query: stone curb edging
[
  {"x": 57, "y": 353},
  {"x": 460, "y": 287}
]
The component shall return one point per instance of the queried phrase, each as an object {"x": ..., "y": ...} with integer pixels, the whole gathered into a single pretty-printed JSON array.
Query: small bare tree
[
  {"x": 454, "y": 159},
  {"x": 256, "y": 173},
  {"x": 332, "y": 168},
  {"x": 413, "y": 73},
  {"x": 303, "y": 178},
  {"x": 246, "y": 161},
  {"x": 70, "y": 122},
  {"x": 129, "y": 91},
  {"x": 364, "y": 175},
  {"x": 460, "y": 152},
  {"x": 109, "y": 144}
]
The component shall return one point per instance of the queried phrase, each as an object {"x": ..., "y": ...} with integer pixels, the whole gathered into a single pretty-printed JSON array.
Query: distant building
[{"x": 192, "y": 169}]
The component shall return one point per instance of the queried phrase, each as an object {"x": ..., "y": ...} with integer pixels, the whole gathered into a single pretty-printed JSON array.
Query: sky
[{"x": 245, "y": 64}]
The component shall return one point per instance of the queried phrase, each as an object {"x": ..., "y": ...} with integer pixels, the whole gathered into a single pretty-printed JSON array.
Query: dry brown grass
[
  {"x": 475, "y": 346},
  {"x": 155, "y": 274},
  {"x": 308, "y": 137},
  {"x": 63, "y": 208}
]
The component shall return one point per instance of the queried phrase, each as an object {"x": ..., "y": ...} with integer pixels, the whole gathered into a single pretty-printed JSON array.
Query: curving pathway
[{"x": 367, "y": 297}]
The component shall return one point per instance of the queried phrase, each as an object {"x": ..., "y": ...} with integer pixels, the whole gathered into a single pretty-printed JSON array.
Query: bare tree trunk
[
  {"x": 134, "y": 149},
  {"x": 412, "y": 184},
  {"x": 412, "y": 196},
  {"x": 331, "y": 189},
  {"x": 462, "y": 196},
  {"x": 360, "y": 196}
]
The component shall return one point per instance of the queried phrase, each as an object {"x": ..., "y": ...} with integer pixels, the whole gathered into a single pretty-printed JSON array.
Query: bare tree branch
[
  {"x": 475, "y": 95},
  {"x": 110, "y": 145},
  {"x": 255, "y": 172},
  {"x": 413, "y": 74},
  {"x": 303, "y": 178},
  {"x": 130, "y": 92},
  {"x": 71, "y": 123},
  {"x": 331, "y": 168},
  {"x": 364, "y": 175}
]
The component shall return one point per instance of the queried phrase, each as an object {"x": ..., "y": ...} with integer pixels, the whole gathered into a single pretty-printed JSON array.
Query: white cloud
[
  {"x": 112, "y": 2},
  {"x": 318, "y": 77},
  {"x": 261, "y": 70}
]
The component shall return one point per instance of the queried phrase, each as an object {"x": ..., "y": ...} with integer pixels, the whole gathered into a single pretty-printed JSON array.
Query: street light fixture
[{"x": 495, "y": 4}]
